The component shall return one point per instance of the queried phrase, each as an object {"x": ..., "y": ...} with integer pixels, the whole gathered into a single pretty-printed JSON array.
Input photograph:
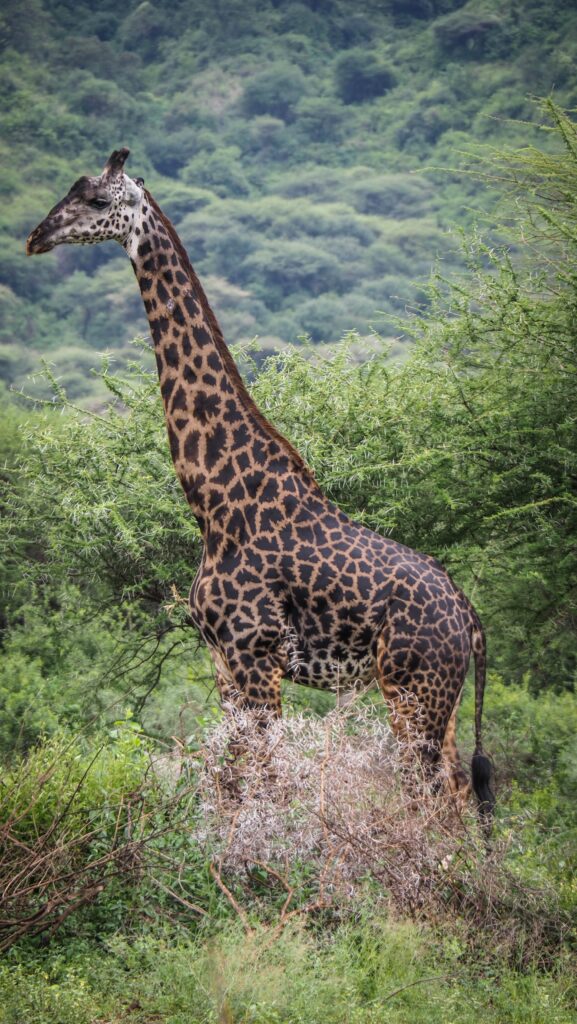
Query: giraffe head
[{"x": 94, "y": 210}]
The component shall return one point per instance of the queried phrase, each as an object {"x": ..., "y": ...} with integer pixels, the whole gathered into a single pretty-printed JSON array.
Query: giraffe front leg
[
  {"x": 255, "y": 689},
  {"x": 250, "y": 684}
]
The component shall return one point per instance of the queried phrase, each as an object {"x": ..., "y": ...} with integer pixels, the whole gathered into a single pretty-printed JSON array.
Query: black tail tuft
[{"x": 481, "y": 771}]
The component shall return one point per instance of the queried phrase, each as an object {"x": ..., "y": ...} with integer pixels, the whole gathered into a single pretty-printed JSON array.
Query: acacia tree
[
  {"x": 469, "y": 449},
  {"x": 504, "y": 347}
]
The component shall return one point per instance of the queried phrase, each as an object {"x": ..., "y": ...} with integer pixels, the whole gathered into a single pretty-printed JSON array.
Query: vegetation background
[{"x": 378, "y": 171}]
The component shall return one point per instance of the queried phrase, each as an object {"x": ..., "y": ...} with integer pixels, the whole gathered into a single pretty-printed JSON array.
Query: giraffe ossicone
[{"x": 288, "y": 585}]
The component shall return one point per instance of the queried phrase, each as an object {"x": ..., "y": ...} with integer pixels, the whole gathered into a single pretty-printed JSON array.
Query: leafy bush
[
  {"x": 360, "y": 76},
  {"x": 274, "y": 91},
  {"x": 320, "y": 119},
  {"x": 470, "y": 31},
  {"x": 298, "y": 264},
  {"x": 71, "y": 823},
  {"x": 219, "y": 171},
  {"x": 83, "y": 625}
]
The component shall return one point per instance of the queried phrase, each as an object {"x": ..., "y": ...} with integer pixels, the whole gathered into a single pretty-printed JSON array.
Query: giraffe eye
[{"x": 98, "y": 204}]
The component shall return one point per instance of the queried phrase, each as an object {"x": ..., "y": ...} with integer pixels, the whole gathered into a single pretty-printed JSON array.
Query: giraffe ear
[{"x": 115, "y": 163}]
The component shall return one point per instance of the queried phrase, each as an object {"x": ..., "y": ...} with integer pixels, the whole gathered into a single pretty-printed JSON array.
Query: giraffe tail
[{"x": 481, "y": 768}]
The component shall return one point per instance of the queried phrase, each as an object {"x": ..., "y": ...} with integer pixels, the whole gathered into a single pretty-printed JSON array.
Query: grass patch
[{"x": 374, "y": 971}]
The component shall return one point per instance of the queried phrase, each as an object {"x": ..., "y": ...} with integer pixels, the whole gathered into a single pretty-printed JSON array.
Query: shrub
[
  {"x": 360, "y": 76},
  {"x": 71, "y": 822},
  {"x": 266, "y": 135},
  {"x": 274, "y": 91},
  {"x": 470, "y": 31},
  {"x": 311, "y": 815},
  {"x": 320, "y": 119},
  {"x": 286, "y": 265},
  {"x": 219, "y": 171}
]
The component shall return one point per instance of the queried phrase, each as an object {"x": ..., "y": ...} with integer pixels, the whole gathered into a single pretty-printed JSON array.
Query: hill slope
[{"x": 280, "y": 138}]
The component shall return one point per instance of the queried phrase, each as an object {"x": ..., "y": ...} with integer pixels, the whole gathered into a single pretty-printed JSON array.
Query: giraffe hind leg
[
  {"x": 458, "y": 781},
  {"x": 422, "y": 700}
]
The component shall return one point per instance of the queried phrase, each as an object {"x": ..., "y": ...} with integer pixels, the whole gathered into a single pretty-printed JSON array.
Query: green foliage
[
  {"x": 371, "y": 972},
  {"x": 471, "y": 30},
  {"x": 320, "y": 119},
  {"x": 89, "y": 607},
  {"x": 274, "y": 91},
  {"x": 98, "y": 490},
  {"x": 533, "y": 740},
  {"x": 70, "y": 820},
  {"x": 128, "y": 947},
  {"x": 63, "y": 771},
  {"x": 248, "y": 104},
  {"x": 73, "y": 655},
  {"x": 360, "y": 76},
  {"x": 219, "y": 170}
]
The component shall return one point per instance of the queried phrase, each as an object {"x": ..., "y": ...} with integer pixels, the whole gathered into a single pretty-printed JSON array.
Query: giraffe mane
[{"x": 228, "y": 361}]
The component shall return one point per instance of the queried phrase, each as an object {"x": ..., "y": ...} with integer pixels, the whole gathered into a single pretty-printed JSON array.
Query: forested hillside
[{"x": 285, "y": 140}]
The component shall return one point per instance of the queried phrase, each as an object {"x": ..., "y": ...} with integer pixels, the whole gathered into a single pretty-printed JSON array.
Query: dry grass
[
  {"x": 327, "y": 794},
  {"x": 318, "y": 812}
]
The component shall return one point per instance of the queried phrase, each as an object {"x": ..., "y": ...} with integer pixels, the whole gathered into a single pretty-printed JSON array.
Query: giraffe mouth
[
  {"x": 36, "y": 244},
  {"x": 39, "y": 240}
]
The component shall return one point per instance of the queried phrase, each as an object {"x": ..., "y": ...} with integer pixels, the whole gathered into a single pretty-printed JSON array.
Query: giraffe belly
[{"x": 319, "y": 667}]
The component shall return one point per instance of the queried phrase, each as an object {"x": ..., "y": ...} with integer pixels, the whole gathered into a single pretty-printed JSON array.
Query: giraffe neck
[{"x": 223, "y": 448}]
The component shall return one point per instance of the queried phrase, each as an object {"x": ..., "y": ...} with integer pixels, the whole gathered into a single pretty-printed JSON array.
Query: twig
[
  {"x": 233, "y": 902},
  {"x": 420, "y": 981},
  {"x": 180, "y": 899}
]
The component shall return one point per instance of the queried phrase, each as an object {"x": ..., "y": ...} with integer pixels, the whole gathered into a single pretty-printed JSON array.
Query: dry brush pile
[
  {"x": 326, "y": 795},
  {"x": 302, "y": 818},
  {"x": 320, "y": 812}
]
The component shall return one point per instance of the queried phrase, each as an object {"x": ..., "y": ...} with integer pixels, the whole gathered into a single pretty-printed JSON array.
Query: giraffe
[{"x": 288, "y": 586}]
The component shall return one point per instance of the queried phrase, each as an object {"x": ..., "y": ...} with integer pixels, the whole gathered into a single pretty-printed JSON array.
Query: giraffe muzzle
[{"x": 39, "y": 240}]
